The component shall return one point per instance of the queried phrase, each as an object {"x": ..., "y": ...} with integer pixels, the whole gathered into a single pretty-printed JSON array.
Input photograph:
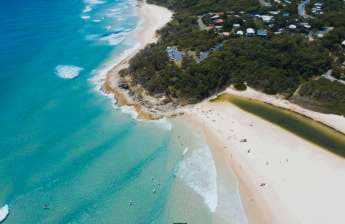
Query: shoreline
[
  {"x": 154, "y": 18},
  {"x": 261, "y": 207},
  {"x": 282, "y": 178},
  {"x": 336, "y": 122},
  {"x": 146, "y": 107}
]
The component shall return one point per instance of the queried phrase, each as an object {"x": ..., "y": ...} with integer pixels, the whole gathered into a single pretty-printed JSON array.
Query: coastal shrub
[
  {"x": 240, "y": 86},
  {"x": 278, "y": 64},
  {"x": 330, "y": 94}
]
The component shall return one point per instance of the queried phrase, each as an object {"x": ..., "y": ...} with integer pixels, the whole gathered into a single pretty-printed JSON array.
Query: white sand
[
  {"x": 335, "y": 121},
  {"x": 154, "y": 18},
  {"x": 302, "y": 182}
]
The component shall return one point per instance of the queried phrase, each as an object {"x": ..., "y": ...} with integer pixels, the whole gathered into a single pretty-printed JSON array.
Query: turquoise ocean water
[{"x": 66, "y": 156}]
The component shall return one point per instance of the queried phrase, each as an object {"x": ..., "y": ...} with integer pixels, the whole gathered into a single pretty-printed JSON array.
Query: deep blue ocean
[{"x": 66, "y": 155}]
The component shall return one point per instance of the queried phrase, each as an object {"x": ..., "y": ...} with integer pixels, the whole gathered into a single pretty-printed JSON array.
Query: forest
[{"x": 276, "y": 65}]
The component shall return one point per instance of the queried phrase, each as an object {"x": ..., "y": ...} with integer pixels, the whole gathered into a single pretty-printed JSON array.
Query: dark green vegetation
[
  {"x": 278, "y": 64},
  {"x": 333, "y": 16},
  {"x": 324, "y": 94},
  {"x": 205, "y": 6},
  {"x": 240, "y": 86},
  {"x": 301, "y": 126}
]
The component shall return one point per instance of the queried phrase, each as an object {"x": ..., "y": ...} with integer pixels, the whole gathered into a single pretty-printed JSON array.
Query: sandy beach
[
  {"x": 332, "y": 120},
  {"x": 283, "y": 178}
]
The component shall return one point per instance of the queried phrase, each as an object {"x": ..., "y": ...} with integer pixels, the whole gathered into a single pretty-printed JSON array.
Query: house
[
  {"x": 274, "y": 12},
  {"x": 239, "y": 33},
  {"x": 203, "y": 56},
  {"x": 174, "y": 54},
  {"x": 262, "y": 33},
  {"x": 292, "y": 27},
  {"x": 236, "y": 25},
  {"x": 306, "y": 25},
  {"x": 250, "y": 32},
  {"x": 279, "y": 31},
  {"x": 266, "y": 18},
  {"x": 219, "y": 21}
]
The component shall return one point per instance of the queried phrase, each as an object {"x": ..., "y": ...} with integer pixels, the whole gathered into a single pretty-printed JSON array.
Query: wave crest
[
  {"x": 198, "y": 171},
  {"x": 68, "y": 71}
]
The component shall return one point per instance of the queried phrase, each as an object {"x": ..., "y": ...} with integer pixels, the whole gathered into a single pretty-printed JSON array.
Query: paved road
[
  {"x": 328, "y": 75},
  {"x": 201, "y": 24},
  {"x": 264, "y": 3},
  {"x": 301, "y": 8}
]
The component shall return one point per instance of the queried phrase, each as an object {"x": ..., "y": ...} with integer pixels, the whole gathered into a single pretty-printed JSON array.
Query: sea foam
[
  {"x": 113, "y": 39},
  {"x": 198, "y": 171},
  {"x": 89, "y": 3},
  {"x": 67, "y": 71},
  {"x": 87, "y": 9},
  {"x": 163, "y": 123},
  {"x": 85, "y": 17},
  {"x": 94, "y": 2}
]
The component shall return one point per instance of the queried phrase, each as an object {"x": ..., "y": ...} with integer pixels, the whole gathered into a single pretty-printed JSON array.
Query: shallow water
[
  {"x": 302, "y": 126},
  {"x": 66, "y": 155}
]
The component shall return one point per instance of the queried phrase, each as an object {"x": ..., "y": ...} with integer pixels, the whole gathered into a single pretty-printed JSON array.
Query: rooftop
[{"x": 174, "y": 54}]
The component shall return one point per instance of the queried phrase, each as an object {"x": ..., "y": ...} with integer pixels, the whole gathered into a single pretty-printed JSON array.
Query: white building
[
  {"x": 240, "y": 33},
  {"x": 266, "y": 18},
  {"x": 215, "y": 17},
  {"x": 292, "y": 26},
  {"x": 250, "y": 32}
]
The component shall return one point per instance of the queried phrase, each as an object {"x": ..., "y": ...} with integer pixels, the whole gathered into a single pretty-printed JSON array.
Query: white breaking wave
[
  {"x": 129, "y": 110},
  {"x": 111, "y": 15},
  {"x": 68, "y": 71},
  {"x": 91, "y": 37},
  {"x": 85, "y": 17},
  {"x": 185, "y": 151},
  {"x": 163, "y": 123},
  {"x": 198, "y": 171},
  {"x": 90, "y": 3},
  {"x": 101, "y": 73},
  {"x": 87, "y": 9},
  {"x": 94, "y": 2},
  {"x": 111, "y": 39},
  {"x": 115, "y": 10},
  {"x": 114, "y": 39}
]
